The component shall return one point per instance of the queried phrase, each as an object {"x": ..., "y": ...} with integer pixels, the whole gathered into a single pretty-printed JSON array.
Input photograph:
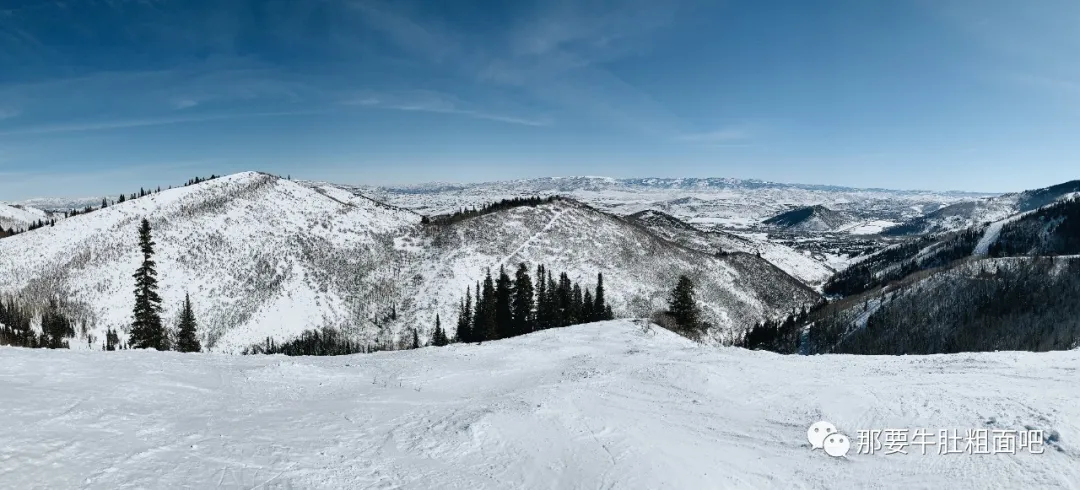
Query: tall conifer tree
[
  {"x": 600, "y": 307},
  {"x": 147, "y": 331},
  {"x": 523, "y": 317},
  {"x": 504, "y": 315},
  {"x": 490, "y": 326},
  {"x": 187, "y": 340}
]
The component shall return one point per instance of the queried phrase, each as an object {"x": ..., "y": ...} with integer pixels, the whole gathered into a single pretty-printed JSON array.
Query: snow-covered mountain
[
  {"x": 19, "y": 216},
  {"x": 725, "y": 203},
  {"x": 1053, "y": 229},
  {"x": 264, "y": 256},
  {"x": 809, "y": 219},
  {"x": 980, "y": 211},
  {"x": 796, "y": 263},
  {"x": 979, "y": 304},
  {"x": 610, "y": 405}
]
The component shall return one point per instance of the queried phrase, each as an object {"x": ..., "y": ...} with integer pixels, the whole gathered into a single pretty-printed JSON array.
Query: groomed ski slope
[{"x": 606, "y": 405}]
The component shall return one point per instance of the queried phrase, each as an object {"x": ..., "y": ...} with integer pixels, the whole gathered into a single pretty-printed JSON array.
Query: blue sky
[{"x": 102, "y": 96}]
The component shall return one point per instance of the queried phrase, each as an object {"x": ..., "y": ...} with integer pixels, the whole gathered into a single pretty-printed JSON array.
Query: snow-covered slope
[
  {"x": 268, "y": 257},
  {"x": 811, "y": 218},
  {"x": 1053, "y": 229},
  {"x": 604, "y": 405},
  {"x": 639, "y": 267},
  {"x": 18, "y": 216},
  {"x": 796, "y": 263},
  {"x": 725, "y": 203},
  {"x": 974, "y": 305},
  {"x": 261, "y": 256},
  {"x": 981, "y": 211}
]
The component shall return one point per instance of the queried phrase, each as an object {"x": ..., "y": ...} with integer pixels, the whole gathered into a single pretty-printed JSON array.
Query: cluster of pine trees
[
  {"x": 504, "y": 307},
  {"x": 17, "y": 315},
  {"x": 780, "y": 336},
  {"x": 199, "y": 180},
  {"x": 508, "y": 307},
  {"x": 1022, "y": 304},
  {"x": 33, "y": 226},
  {"x": 466, "y": 213},
  {"x": 323, "y": 342},
  {"x": 1050, "y": 230},
  {"x": 147, "y": 330}
]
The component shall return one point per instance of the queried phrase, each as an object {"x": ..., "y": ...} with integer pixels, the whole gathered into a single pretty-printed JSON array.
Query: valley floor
[{"x": 606, "y": 405}]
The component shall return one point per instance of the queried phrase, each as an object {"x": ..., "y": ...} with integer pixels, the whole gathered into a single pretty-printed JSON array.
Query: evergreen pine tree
[
  {"x": 587, "y": 313},
  {"x": 55, "y": 327},
  {"x": 415, "y": 339},
  {"x": 112, "y": 340},
  {"x": 542, "y": 314},
  {"x": 187, "y": 339},
  {"x": 554, "y": 303},
  {"x": 600, "y": 307},
  {"x": 478, "y": 330},
  {"x": 147, "y": 330},
  {"x": 122, "y": 198},
  {"x": 104, "y": 203},
  {"x": 489, "y": 322},
  {"x": 577, "y": 303},
  {"x": 523, "y": 317},
  {"x": 504, "y": 315},
  {"x": 467, "y": 335},
  {"x": 683, "y": 305},
  {"x": 460, "y": 327},
  {"x": 438, "y": 338}
]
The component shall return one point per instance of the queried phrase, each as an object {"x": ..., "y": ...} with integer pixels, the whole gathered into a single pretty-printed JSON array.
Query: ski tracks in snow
[{"x": 530, "y": 240}]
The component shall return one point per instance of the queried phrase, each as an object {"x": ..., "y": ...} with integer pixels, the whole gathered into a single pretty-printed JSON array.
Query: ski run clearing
[{"x": 605, "y": 405}]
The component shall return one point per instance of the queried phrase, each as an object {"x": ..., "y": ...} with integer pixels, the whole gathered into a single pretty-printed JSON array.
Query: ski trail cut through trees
[
  {"x": 533, "y": 238},
  {"x": 989, "y": 237}
]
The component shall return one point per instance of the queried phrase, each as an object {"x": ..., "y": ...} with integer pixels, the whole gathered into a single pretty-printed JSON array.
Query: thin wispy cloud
[
  {"x": 8, "y": 113},
  {"x": 138, "y": 123},
  {"x": 430, "y": 101},
  {"x": 725, "y": 135},
  {"x": 553, "y": 54}
]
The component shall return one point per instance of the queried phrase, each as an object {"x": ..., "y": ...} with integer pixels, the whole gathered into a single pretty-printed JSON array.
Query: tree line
[
  {"x": 105, "y": 202},
  {"x": 506, "y": 307},
  {"x": 466, "y": 213},
  {"x": 17, "y": 315}
]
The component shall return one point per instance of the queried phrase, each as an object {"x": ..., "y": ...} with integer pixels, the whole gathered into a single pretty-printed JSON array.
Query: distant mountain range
[{"x": 709, "y": 203}]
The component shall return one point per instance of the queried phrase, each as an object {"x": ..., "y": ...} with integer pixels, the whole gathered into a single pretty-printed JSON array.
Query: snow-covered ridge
[
  {"x": 264, "y": 257},
  {"x": 606, "y": 405},
  {"x": 791, "y": 261},
  {"x": 19, "y": 216}
]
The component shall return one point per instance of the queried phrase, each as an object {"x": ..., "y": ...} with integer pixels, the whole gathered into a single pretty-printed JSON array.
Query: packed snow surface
[{"x": 606, "y": 405}]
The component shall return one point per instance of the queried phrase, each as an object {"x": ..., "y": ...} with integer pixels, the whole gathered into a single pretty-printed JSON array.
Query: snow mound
[{"x": 605, "y": 405}]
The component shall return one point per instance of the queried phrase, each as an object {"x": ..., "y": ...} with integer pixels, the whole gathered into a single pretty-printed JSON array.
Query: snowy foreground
[{"x": 607, "y": 405}]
